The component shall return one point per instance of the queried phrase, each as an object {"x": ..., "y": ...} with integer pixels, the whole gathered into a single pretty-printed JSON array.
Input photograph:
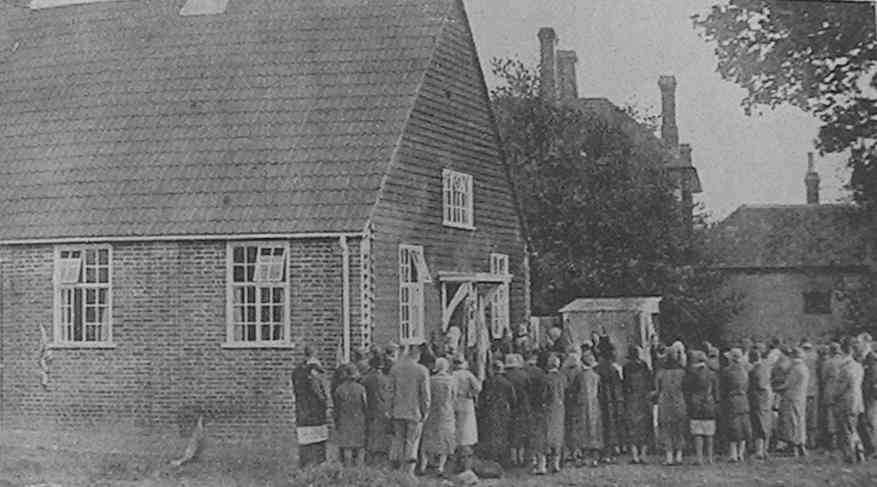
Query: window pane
[
  {"x": 90, "y": 314},
  {"x": 103, "y": 275},
  {"x": 266, "y": 333},
  {"x": 251, "y": 294},
  {"x": 251, "y": 333},
  {"x": 238, "y": 273},
  {"x": 278, "y": 314},
  {"x": 102, "y": 296},
  {"x": 251, "y": 314},
  {"x": 238, "y": 314},
  {"x": 90, "y": 296},
  {"x": 251, "y": 254},
  {"x": 90, "y": 274},
  {"x": 238, "y": 333},
  {"x": 265, "y": 295},
  {"x": 237, "y": 255},
  {"x": 90, "y": 257},
  {"x": 278, "y": 332},
  {"x": 265, "y": 314},
  {"x": 103, "y": 257},
  {"x": 90, "y": 333},
  {"x": 251, "y": 272},
  {"x": 278, "y": 295}
]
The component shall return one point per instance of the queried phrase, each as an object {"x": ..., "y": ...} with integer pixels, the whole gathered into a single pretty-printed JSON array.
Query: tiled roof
[
  {"x": 790, "y": 236},
  {"x": 278, "y": 116}
]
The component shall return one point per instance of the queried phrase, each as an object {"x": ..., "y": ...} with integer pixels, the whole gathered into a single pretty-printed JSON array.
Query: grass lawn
[{"x": 48, "y": 467}]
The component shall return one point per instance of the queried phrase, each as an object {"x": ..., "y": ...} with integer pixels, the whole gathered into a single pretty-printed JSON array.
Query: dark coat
[
  {"x": 584, "y": 429},
  {"x": 496, "y": 401},
  {"x": 411, "y": 395},
  {"x": 555, "y": 412},
  {"x": 350, "y": 405},
  {"x": 638, "y": 384},
  {"x": 701, "y": 392},
  {"x": 735, "y": 385},
  {"x": 869, "y": 382},
  {"x": 311, "y": 398},
  {"x": 521, "y": 409},
  {"x": 611, "y": 394},
  {"x": 379, "y": 394}
]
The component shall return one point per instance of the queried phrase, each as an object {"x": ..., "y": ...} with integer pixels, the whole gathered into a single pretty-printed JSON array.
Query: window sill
[
  {"x": 256, "y": 345},
  {"x": 459, "y": 226},
  {"x": 74, "y": 346}
]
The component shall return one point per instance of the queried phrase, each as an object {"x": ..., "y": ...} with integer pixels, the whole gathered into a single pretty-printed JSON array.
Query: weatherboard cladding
[{"x": 127, "y": 119}]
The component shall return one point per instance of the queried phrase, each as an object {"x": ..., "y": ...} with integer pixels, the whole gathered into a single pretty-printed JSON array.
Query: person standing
[
  {"x": 793, "y": 405},
  {"x": 672, "y": 414},
  {"x": 539, "y": 400},
  {"x": 379, "y": 394},
  {"x": 869, "y": 393},
  {"x": 350, "y": 401},
  {"x": 554, "y": 416},
  {"x": 586, "y": 432},
  {"x": 311, "y": 399},
  {"x": 760, "y": 400},
  {"x": 496, "y": 402},
  {"x": 849, "y": 404},
  {"x": 735, "y": 386},
  {"x": 611, "y": 403},
  {"x": 468, "y": 388},
  {"x": 439, "y": 431},
  {"x": 700, "y": 387},
  {"x": 521, "y": 410},
  {"x": 409, "y": 407},
  {"x": 637, "y": 387},
  {"x": 811, "y": 360},
  {"x": 828, "y": 376}
]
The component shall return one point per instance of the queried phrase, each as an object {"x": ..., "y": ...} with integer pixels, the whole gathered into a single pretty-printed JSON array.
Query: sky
[{"x": 623, "y": 46}]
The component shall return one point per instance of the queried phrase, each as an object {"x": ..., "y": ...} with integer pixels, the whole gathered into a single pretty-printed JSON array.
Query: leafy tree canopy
[
  {"x": 599, "y": 209},
  {"x": 819, "y": 56}
]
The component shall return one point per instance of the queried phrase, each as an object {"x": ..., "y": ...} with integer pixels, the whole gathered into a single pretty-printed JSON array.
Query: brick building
[
  {"x": 792, "y": 265},
  {"x": 193, "y": 189}
]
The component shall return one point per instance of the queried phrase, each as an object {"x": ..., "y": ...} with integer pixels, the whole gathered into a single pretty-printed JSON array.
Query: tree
[
  {"x": 599, "y": 210},
  {"x": 818, "y": 56}
]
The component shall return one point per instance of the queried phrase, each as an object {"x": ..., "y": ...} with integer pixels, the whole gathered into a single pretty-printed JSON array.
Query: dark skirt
[{"x": 738, "y": 427}]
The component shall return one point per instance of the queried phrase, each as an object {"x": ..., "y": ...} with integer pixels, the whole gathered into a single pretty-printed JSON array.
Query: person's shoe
[{"x": 539, "y": 471}]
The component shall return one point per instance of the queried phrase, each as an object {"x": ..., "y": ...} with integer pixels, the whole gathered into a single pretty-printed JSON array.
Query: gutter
[
  {"x": 345, "y": 297},
  {"x": 181, "y": 238}
]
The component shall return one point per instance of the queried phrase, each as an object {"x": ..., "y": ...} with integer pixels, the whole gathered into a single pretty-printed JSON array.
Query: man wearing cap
[
  {"x": 409, "y": 407},
  {"x": 311, "y": 423}
]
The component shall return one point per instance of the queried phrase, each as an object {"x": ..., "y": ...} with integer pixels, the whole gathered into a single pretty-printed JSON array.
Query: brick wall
[{"x": 169, "y": 324}]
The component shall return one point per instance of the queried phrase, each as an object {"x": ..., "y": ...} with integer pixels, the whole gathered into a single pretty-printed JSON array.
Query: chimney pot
[
  {"x": 811, "y": 181},
  {"x": 547, "y": 64},
  {"x": 685, "y": 154},
  {"x": 566, "y": 75},
  {"x": 669, "y": 130}
]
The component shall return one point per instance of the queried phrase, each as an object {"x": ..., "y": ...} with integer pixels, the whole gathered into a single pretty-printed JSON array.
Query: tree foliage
[
  {"x": 818, "y": 56},
  {"x": 599, "y": 209}
]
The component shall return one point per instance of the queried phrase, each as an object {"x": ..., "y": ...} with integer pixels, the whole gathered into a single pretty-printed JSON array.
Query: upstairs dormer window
[{"x": 458, "y": 199}]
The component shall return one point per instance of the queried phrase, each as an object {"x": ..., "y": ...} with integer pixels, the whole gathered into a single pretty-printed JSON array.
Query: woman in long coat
[
  {"x": 468, "y": 388},
  {"x": 521, "y": 410},
  {"x": 672, "y": 415},
  {"x": 611, "y": 402},
  {"x": 553, "y": 416},
  {"x": 378, "y": 392},
  {"x": 495, "y": 403},
  {"x": 439, "y": 438},
  {"x": 637, "y": 386},
  {"x": 734, "y": 387},
  {"x": 350, "y": 405},
  {"x": 793, "y": 405},
  {"x": 584, "y": 431},
  {"x": 760, "y": 400}
]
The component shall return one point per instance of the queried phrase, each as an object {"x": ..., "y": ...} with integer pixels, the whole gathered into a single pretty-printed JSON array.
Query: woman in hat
[
  {"x": 672, "y": 415},
  {"x": 760, "y": 400},
  {"x": 439, "y": 431},
  {"x": 311, "y": 401},
  {"x": 521, "y": 409},
  {"x": 793, "y": 405},
  {"x": 468, "y": 388},
  {"x": 495, "y": 403},
  {"x": 350, "y": 407},
  {"x": 585, "y": 433},
  {"x": 638, "y": 384},
  {"x": 553, "y": 417},
  {"x": 379, "y": 393},
  {"x": 701, "y": 389},
  {"x": 611, "y": 401},
  {"x": 734, "y": 387}
]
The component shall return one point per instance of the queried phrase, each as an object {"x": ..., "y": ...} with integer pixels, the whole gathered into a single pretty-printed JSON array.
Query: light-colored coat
[
  {"x": 439, "y": 431},
  {"x": 411, "y": 395},
  {"x": 848, "y": 395},
  {"x": 793, "y": 407},
  {"x": 468, "y": 388}
]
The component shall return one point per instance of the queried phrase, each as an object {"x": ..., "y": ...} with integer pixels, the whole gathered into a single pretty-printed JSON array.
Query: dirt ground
[{"x": 28, "y": 466}]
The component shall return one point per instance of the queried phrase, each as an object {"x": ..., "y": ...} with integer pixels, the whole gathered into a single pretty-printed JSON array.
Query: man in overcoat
[
  {"x": 409, "y": 407},
  {"x": 311, "y": 398}
]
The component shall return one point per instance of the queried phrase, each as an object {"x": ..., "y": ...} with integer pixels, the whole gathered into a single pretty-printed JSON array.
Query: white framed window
[
  {"x": 258, "y": 294},
  {"x": 458, "y": 199},
  {"x": 499, "y": 305},
  {"x": 83, "y": 296},
  {"x": 413, "y": 273}
]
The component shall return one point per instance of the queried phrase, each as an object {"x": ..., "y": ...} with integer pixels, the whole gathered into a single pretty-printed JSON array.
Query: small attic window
[
  {"x": 204, "y": 7},
  {"x": 41, "y": 4}
]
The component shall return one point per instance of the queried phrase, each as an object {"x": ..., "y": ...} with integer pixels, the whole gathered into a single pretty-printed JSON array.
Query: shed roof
[
  {"x": 790, "y": 236},
  {"x": 126, "y": 119},
  {"x": 649, "y": 304}
]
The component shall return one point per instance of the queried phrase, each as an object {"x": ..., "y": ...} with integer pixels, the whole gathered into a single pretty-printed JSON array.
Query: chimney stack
[
  {"x": 547, "y": 65},
  {"x": 669, "y": 131},
  {"x": 566, "y": 75},
  {"x": 811, "y": 181}
]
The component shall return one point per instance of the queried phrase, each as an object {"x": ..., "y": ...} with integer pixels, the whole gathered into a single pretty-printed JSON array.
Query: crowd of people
[{"x": 565, "y": 405}]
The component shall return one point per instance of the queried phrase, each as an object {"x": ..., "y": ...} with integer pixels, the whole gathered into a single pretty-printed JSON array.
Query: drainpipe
[{"x": 345, "y": 296}]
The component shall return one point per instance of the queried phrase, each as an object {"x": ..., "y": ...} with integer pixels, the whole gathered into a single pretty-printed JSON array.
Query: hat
[
  {"x": 735, "y": 354},
  {"x": 697, "y": 357},
  {"x": 314, "y": 362},
  {"x": 806, "y": 345},
  {"x": 514, "y": 360}
]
